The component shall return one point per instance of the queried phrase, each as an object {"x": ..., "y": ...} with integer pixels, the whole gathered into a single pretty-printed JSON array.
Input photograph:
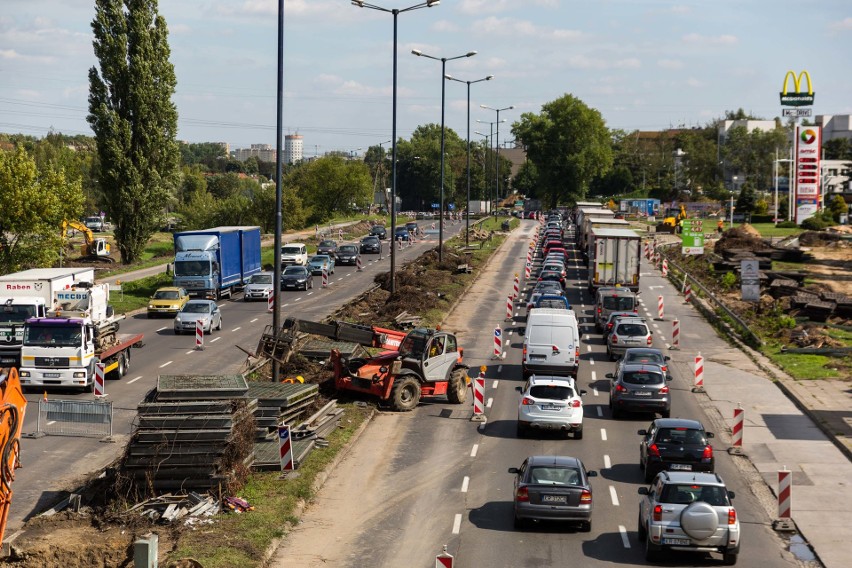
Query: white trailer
[
  {"x": 29, "y": 294},
  {"x": 614, "y": 258}
]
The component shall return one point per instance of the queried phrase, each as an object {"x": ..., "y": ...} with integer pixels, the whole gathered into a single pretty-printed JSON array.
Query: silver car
[
  {"x": 259, "y": 287},
  {"x": 205, "y": 311},
  {"x": 550, "y": 403},
  {"x": 627, "y": 332}
]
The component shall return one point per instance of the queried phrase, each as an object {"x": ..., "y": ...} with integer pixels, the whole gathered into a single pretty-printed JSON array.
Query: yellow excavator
[
  {"x": 92, "y": 248},
  {"x": 671, "y": 223}
]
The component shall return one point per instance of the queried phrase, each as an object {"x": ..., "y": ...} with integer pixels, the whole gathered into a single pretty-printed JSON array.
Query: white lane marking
[
  {"x": 465, "y": 483},
  {"x": 162, "y": 329},
  {"x": 600, "y": 412},
  {"x": 218, "y": 338},
  {"x": 603, "y": 434},
  {"x": 237, "y": 328},
  {"x": 499, "y": 369},
  {"x": 607, "y": 462},
  {"x": 297, "y": 299},
  {"x": 591, "y": 361},
  {"x": 489, "y": 403},
  {"x": 588, "y": 347},
  {"x": 510, "y": 332},
  {"x": 189, "y": 352},
  {"x": 473, "y": 450},
  {"x": 254, "y": 320},
  {"x": 166, "y": 364},
  {"x": 309, "y": 293},
  {"x": 655, "y": 326},
  {"x": 668, "y": 346},
  {"x": 133, "y": 380},
  {"x": 623, "y": 532},
  {"x": 594, "y": 376},
  {"x": 613, "y": 495},
  {"x": 494, "y": 385},
  {"x": 481, "y": 426},
  {"x": 285, "y": 305},
  {"x": 457, "y": 523},
  {"x": 595, "y": 391}
]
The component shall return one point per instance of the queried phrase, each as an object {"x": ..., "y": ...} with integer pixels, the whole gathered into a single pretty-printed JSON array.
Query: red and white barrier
[
  {"x": 399, "y": 242},
  {"x": 687, "y": 293},
  {"x": 498, "y": 343},
  {"x": 647, "y": 250},
  {"x": 785, "y": 500},
  {"x": 698, "y": 385},
  {"x": 479, "y": 396},
  {"x": 285, "y": 448},
  {"x": 509, "y": 309},
  {"x": 516, "y": 287},
  {"x": 660, "y": 308},
  {"x": 99, "y": 385},
  {"x": 665, "y": 267},
  {"x": 358, "y": 265},
  {"x": 444, "y": 560},
  {"x": 527, "y": 270},
  {"x": 737, "y": 430},
  {"x": 324, "y": 278},
  {"x": 675, "y": 334},
  {"x": 199, "y": 335},
  {"x": 270, "y": 301}
]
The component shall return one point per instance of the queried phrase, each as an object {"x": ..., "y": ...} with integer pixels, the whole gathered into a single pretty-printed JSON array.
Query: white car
[
  {"x": 259, "y": 287},
  {"x": 550, "y": 403}
]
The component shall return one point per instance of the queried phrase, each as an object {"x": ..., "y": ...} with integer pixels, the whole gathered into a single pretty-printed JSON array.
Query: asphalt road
[
  {"x": 421, "y": 480},
  {"x": 53, "y": 465}
]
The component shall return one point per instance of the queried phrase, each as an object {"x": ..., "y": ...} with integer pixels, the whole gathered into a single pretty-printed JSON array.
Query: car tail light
[
  {"x": 577, "y": 353},
  {"x": 609, "y": 326},
  {"x": 658, "y": 513},
  {"x": 649, "y": 340},
  {"x": 664, "y": 368},
  {"x": 620, "y": 388},
  {"x": 707, "y": 454},
  {"x": 522, "y": 494},
  {"x": 732, "y": 516},
  {"x": 653, "y": 450},
  {"x": 576, "y": 404},
  {"x": 665, "y": 389},
  {"x": 599, "y": 310},
  {"x": 527, "y": 401},
  {"x": 586, "y": 497},
  {"x": 613, "y": 338}
]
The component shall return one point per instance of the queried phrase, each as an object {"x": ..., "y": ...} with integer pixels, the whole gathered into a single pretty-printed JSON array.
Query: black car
[
  {"x": 675, "y": 444},
  {"x": 296, "y": 278},
  {"x": 552, "y": 275},
  {"x": 328, "y": 247},
  {"x": 347, "y": 254},
  {"x": 401, "y": 234},
  {"x": 370, "y": 245},
  {"x": 379, "y": 231}
]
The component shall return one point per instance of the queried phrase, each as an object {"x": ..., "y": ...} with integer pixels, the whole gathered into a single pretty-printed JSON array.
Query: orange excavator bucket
[{"x": 13, "y": 406}]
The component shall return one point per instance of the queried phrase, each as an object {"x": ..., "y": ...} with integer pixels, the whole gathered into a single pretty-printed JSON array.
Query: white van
[
  {"x": 551, "y": 343},
  {"x": 294, "y": 253}
]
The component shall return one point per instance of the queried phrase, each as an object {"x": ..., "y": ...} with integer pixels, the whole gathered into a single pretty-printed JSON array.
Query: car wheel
[
  {"x": 405, "y": 393},
  {"x": 640, "y": 529},
  {"x": 578, "y": 434},
  {"x": 219, "y": 327},
  {"x": 729, "y": 559},
  {"x": 457, "y": 388}
]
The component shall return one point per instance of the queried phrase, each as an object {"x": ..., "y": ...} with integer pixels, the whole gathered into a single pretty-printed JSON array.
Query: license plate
[
  {"x": 538, "y": 357},
  {"x": 289, "y": 285},
  {"x": 51, "y": 375},
  {"x": 554, "y": 499},
  {"x": 551, "y": 407},
  {"x": 642, "y": 393},
  {"x": 682, "y": 466},
  {"x": 677, "y": 541}
]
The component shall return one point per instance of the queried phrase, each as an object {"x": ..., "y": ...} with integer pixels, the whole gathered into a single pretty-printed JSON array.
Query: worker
[{"x": 720, "y": 226}]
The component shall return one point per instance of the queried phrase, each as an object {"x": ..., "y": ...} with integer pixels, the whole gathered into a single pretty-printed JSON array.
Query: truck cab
[{"x": 14, "y": 312}]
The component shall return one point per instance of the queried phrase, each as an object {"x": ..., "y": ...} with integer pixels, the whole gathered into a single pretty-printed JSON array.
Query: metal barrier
[{"x": 87, "y": 418}]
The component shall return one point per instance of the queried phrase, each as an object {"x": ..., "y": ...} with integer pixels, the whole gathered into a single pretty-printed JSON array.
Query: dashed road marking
[
  {"x": 465, "y": 483},
  {"x": 254, "y": 320},
  {"x": 613, "y": 495},
  {"x": 134, "y": 379},
  {"x": 473, "y": 450},
  {"x": 595, "y": 391},
  {"x": 457, "y": 523},
  {"x": 623, "y": 532},
  {"x": 166, "y": 364},
  {"x": 591, "y": 361},
  {"x": 607, "y": 462},
  {"x": 588, "y": 347},
  {"x": 164, "y": 328},
  {"x": 603, "y": 434},
  {"x": 594, "y": 376},
  {"x": 600, "y": 412},
  {"x": 489, "y": 403},
  {"x": 218, "y": 338},
  {"x": 237, "y": 328},
  {"x": 499, "y": 369},
  {"x": 495, "y": 383},
  {"x": 190, "y": 352}
]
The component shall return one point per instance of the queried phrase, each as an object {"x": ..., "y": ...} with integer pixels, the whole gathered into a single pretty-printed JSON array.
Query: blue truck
[{"x": 212, "y": 263}]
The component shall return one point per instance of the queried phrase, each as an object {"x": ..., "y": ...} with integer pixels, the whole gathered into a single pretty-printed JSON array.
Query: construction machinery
[
  {"x": 671, "y": 223},
  {"x": 13, "y": 406},
  {"x": 92, "y": 248},
  {"x": 418, "y": 363}
]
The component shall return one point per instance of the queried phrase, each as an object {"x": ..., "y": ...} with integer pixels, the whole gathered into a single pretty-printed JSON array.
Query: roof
[
  {"x": 51, "y": 321},
  {"x": 566, "y": 461},
  {"x": 633, "y": 367},
  {"x": 678, "y": 423},
  {"x": 640, "y": 350},
  {"x": 549, "y": 379},
  {"x": 609, "y": 232},
  {"x": 693, "y": 477},
  {"x": 169, "y": 288}
]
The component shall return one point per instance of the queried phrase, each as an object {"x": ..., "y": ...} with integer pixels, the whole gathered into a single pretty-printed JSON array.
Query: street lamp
[
  {"x": 485, "y": 169},
  {"x": 443, "y": 61},
  {"x": 490, "y": 140},
  {"x": 676, "y": 156},
  {"x": 467, "y": 209},
  {"x": 279, "y": 167},
  {"x": 395, "y": 12},
  {"x": 497, "y": 141}
]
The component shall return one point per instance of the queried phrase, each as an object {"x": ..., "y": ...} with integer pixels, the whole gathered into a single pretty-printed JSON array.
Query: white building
[
  {"x": 293, "y": 146},
  {"x": 263, "y": 152},
  {"x": 835, "y": 126}
]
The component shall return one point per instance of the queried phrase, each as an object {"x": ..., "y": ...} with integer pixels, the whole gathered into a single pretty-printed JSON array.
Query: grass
[
  {"x": 770, "y": 230},
  {"x": 802, "y": 367},
  {"x": 135, "y": 295}
]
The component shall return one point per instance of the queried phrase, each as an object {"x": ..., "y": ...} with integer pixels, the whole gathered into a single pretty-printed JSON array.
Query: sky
[{"x": 643, "y": 64}]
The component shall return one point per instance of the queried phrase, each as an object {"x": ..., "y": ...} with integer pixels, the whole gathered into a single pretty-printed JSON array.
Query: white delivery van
[
  {"x": 294, "y": 253},
  {"x": 551, "y": 343}
]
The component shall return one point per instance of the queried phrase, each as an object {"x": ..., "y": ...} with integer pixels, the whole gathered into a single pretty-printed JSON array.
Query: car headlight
[
  {"x": 24, "y": 373},
  {"x": 79, "y": 374},
  {"x": 150, "y": 306}
]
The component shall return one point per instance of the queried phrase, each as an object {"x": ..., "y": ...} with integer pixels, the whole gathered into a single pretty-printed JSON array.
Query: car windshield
[
  {"x": 551, "y": 392},
  {"x": 294, "y": 271},
  {"x": 166, "y": 295},
  {"x": 623, "y": 303},
  {"x": 654, "y": 358},
  {"x": 261, "y": 279},
  {"x": 370, "y": 240},
  {"x": 554, "y": 476},
  {"x": 192, "y": 268},
  {"x": 553, "y": 267},
  {"x": 413, "y": 345},
  {"x": 684, "y": 494},
  {"x": 680, "y": 436},
  {"x": 327, "y": 244},
  {"x": 642, "y": 378},
  {"x": 631, "y": 329},
  {"x": 320, "y": 258},
  {"x": 348, "y": 248},
  {"x": 53, "y": 335},
  {"x": 291, "y": 250},
  {"x": 16, "y": 314},
  {"x": 191, "y": 308}
]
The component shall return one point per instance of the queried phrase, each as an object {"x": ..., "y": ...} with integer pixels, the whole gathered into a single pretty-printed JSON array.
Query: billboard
[
  {"x": 797, "y": 97},
  {"x": 808, "y": 142},
  {"x": 692, "y": 236}
]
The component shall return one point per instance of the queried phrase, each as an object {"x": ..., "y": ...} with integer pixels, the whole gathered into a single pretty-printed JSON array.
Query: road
[
  {"x": 421, "y": 480},
  {"x": 53, "y": 465}
]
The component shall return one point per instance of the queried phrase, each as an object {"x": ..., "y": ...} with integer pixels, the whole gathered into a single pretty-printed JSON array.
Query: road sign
[
  {"x": 796, "y": 112},
  {"x": 750, "y": 278},
  {"x": 692, "y": 236}
]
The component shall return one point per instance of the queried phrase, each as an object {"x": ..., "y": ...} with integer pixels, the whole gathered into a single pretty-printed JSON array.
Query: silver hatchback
[
  {"x": 205, "y": 311},
  {"x": 626, "y": 333}
]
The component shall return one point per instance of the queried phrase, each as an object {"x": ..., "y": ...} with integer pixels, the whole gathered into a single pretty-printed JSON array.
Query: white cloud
[
  {"x": 670, "y": 63},
  {"x": 495, "y": 6},
  {"x": 843, "y": 25},
  {"x": 585, "y": 62},
  {"x": 512, "y": 26},
  {"x": 11, "y": 54},
  {"x": 680, "y": 9},
  {"x": 445, "y": 26},
  {"x": 724, "y": 39},
  {"x": 693, "y": 82},
  {"x": 179, "y": 29}
]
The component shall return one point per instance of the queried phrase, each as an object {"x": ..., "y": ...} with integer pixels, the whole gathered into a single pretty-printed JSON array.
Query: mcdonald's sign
[{"x": 797, "y": 97}]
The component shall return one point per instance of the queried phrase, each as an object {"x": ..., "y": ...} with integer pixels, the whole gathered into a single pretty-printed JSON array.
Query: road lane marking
[
  {"x": 473, "y": 450},
  {"x": 607, "y": 462},
  {"x": 655, "y": 326},
  {"x": 600, "y": 412},
  {"x": 613, "y": 495},
  {"x": 254, "y": 320},
  {"x": 166, "y": 364},
  {"x": 489, "y": 403},
  {"x": 133, "y": 380},
  {"x": 603, "y": 434},
  {"x": 189, "y": 352},
  {"x": 465, "y": 483},
  {"x": 594, "y": 376},
  {"x": 591, "y": 361},
  {"x": 623, "y": 532},
  {"x": 164, "y": 328},
  {"x": 457, "y": 523},
  {"x": 237, "y": 328},
  {"x": 595, "y": 391},
  {"x": 499, "y": 369},
  {"x": 218, "y": 338},
  {"x": 494, "y": 385},
  {"x": 588, "y": 347}
]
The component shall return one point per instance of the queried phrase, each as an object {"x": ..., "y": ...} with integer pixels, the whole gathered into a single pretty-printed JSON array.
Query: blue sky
[{"x": 644, "y": 64}]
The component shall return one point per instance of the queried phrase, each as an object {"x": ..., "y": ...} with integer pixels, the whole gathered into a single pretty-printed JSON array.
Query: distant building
[
  {"x": 836, "y": 179},
  {"x": 293, "y": 145},
  {"x": 835, "y": 126},
  {"x": 263, "y": 152}
]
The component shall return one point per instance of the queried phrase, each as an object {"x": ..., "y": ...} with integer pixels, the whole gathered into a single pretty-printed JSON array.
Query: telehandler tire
[
  {"x": 405, "y": 393},
  {"x": 457, "y": 389}
]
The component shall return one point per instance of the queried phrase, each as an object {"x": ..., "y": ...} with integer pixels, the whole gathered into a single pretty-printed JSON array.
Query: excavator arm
[
  {"x": 13, "y": 405},
  {"x": 77, "y": 226}
]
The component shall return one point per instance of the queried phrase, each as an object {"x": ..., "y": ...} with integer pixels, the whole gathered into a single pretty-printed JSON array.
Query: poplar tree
[{"x": 134, "y": 119}]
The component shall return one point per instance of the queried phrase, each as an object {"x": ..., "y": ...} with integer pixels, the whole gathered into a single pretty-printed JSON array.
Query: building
[
  {"x": 293, "y": 145},
  {"x": 835, "y": 126},
  {"x": 836, "y": 180},
  {"x": 263, "y": 152}
]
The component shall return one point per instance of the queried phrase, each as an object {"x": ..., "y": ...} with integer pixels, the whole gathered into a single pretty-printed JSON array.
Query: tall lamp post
[
  {"x": 443, "y": 61},
  {"x": 279, "y": 166},
  {"x": 487, "y": 175},
  {"x": 490, "y": 141},
  {"x": 467, "y": 209},
  {"x": 497, "y": 140},
  {"x": 395, "y": 12}
]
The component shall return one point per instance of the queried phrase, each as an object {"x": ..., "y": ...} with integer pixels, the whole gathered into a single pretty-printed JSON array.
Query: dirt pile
[{"x": 743, "y": 237}]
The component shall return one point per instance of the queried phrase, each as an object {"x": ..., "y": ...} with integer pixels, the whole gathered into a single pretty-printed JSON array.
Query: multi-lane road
[
  {"x": 53, "y": 465},
  {"x": 417, "y": 481}
]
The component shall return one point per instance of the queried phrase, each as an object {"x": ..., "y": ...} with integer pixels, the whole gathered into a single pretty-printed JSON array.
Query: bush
[
  {"x": 818, "y": 222},
  {"x": 761, "y": 218},
  {"x": 786, "y": 322},
  {"x": 787, "y": 225},
  {"x": 729, "y": 280}
]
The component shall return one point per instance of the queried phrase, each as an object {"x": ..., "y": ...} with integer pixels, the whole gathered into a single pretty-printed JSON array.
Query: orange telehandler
[{"x": 13, "y": 405}]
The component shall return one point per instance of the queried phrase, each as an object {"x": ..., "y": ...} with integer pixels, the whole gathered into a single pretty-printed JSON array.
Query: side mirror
[
  {"x": 591, "y": 473},
  {"x": 519, "y": 389},
  {"x": 643, "y": 491},
  {"x": 642, "y": 432},
  {"x": 667, "y": 358},
  {"x": 514, "y": 470},
  {"x": 710, "y": 434},
  {"x": 731, "y": 495},
  {"x": 583, "y": 392},
  {"x": 610, "y": 376},
  {"x": 668, "y": 377}
]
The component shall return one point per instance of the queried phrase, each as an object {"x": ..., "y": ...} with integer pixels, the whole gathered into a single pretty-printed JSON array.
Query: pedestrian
[{"x": 720, "y": 226}]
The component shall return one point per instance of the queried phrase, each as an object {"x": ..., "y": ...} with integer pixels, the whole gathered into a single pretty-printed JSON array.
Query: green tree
[
  {"x": 569, "y": 144},
  {"x": 134, "y": 118},
  {"x": 526, "y": 181},
  {"x": 838, "y": 149},
  {"x": 837, "y": 207},
  {"x": 747, "y": 200},
  {"x": 330, "y": 185},
  {"x": 33, "y": 204}
]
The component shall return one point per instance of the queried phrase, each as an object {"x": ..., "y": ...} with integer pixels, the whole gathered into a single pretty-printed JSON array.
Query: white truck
[
  {"x": 63, "y": 348},
  {"x": 614, "y": 258},
  {"x": 29, "y": 294}
]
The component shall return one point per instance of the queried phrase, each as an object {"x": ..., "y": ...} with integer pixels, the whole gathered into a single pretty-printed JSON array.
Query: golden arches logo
[{"x": 797, "y": 82}]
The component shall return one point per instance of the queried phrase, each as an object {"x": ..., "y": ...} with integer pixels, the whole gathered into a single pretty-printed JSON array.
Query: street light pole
[
  {"x": 486, "y": 176},
  {"x": 279, "y": 123},
  {"x": 467, "y": 209},
  {"x": 490, "y": 140},
  {"x": 497, "y": 142},
  {"x": 395, "y": 12},
  {"x": 443, "y": 61}
]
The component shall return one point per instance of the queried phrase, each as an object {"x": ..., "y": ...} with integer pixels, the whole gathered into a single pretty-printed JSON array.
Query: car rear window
[
  {"x": 622, "y": 303},
  {"x": 680, "y": 436},
  {"x": 642, "y": 378},
  {"x": 631, "y": 329},
  {"x": 557, "y": 304},
  {"x": 555, "y": 476},
  {"x": 551, "y": 392},
  {"x": 684, "y": 494},
  {"x": 654, "y": 358}
]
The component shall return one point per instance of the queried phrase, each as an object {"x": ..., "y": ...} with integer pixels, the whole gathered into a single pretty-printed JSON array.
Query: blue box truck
[{"x": 212, "y": 263}]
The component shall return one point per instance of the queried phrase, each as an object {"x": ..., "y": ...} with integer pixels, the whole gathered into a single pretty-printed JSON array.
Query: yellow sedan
[{"x": 167, "y": 301}]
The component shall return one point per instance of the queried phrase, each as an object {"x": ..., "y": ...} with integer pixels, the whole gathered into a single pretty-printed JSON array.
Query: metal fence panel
[{"x": 75, "y": 418}]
